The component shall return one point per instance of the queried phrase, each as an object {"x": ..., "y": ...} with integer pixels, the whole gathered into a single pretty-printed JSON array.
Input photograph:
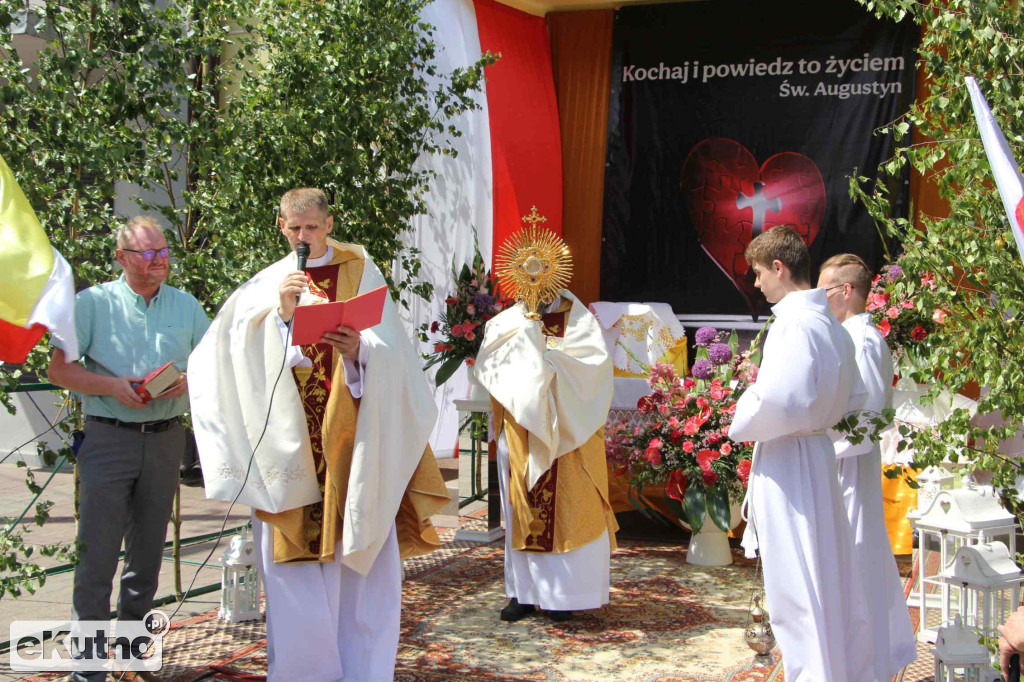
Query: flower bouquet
[
  {"x": 899, "y": 313},
  {"x": 458, "y": 333},
  {"x": 682, "y": 436}
]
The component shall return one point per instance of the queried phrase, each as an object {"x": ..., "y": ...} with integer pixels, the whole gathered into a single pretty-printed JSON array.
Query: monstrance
[{"x": 534, "y": 265}]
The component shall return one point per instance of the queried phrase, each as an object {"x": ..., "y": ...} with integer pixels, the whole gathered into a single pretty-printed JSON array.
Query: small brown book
[{"x": 157, "y": 381}]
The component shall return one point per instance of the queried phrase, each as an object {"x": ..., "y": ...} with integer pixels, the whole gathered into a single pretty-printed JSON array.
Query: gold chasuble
[
  {"x": 568, "y": 507},
  {"x": 311, "y": 532}
]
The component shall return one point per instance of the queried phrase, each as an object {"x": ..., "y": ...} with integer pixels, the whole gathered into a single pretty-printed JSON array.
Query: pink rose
[
  {"x": 470, "y": 361},
  {"x": 893, "y": 312},
  {"x": 687, "y": 446},
  {"x": 940, "y": 316},
  {"x": 653, "y": 457},
  {"x": 470, "y": 336},
  {"x": 471, "y": 309},
  {"x": 457, "y": 331},
  {"x": 726, "y": 448},
  {"x": 717, "y": 393}
]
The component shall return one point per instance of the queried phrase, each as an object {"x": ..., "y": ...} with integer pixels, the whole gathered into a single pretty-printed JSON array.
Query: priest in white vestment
[
  {"x": 550, "y": 382},
  {"x": 794, "y": 511},
  {"x": 847, "y": 280},
  {"x": 328, "y": 444}
]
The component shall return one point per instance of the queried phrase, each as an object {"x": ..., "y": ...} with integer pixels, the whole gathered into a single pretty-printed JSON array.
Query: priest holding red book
[{"x": 327, "y": 442}]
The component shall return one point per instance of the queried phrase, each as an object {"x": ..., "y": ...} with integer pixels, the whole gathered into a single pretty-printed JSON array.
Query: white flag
[{"x": 1004, "y": 166}]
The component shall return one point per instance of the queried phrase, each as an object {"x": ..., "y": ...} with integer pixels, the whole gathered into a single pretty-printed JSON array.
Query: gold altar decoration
[{"x": 534, "y": 265}]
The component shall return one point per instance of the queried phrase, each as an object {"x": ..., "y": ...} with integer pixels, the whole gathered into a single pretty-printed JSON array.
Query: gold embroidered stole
[
  {"x": 312, "y": 532},
  {"x": 568, "y": 507}
]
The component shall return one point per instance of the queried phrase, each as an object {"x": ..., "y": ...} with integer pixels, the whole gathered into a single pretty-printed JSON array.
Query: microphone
[{"x": 301, "y": 253}]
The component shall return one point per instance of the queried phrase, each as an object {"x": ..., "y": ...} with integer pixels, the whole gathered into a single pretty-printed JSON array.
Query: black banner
[{"x": 729, "y": 118}]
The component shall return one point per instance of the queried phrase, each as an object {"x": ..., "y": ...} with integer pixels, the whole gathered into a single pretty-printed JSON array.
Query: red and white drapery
[{"x": 509, "y": 159}]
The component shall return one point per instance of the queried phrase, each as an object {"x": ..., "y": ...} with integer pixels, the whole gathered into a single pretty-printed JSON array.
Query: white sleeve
[
  {"x": 780, "y": 401},
  {"x": 293, "y": 355},
  {"x": 872, "y": 394},
  {"x": 355, "y": 369}
]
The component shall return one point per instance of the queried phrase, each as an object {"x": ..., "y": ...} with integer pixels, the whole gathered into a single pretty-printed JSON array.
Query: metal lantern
[
  {"x": 984, "y": 585},
  {"x": 960, "y": 657},
  {"x": 240, "y": 581},
  {"x": 963, "y": 517}
]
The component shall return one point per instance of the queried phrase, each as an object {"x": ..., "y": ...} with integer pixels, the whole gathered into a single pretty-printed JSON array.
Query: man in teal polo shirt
[{"x": 128, "y": 463}]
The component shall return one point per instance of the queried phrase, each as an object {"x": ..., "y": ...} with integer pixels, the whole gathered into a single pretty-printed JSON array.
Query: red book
[
  {"x": 361, "y": 312},
  {"x": 157, "y": 381}
]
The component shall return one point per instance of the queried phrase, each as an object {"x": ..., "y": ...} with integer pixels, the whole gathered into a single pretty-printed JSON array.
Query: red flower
[
  {"x": 743, "y": 471},
  {"x": 928, "y": 280},
  {"x": 655, "y": 443},
  {"x": 434, "y": 327},
  {"x": 893, "y": 312},
  {"x": 673, "y": 422},
  {"x": 439, "y": 347},
  {"x": 470, "y": 361},
  {"x": 706, "y": 457},
  {"x": 716, "y": 382},
  {"x": 702, "y": 402},
  {"x": 689, "y": 383},
  {"x": 717, "y": 393},
  {"x": 687, "y": 446},
  {"x": 653, "y": 456},
  {"x": 918, "y": 333},
  {"x": 675, "y": 437},
  {"x": 705, "y": 412},
  {"x": 644, "y": 405},
  {"x": 940, "y": 316},
  {"x": 457, "y": 331},
  {"x": 725, "y": 430},
  {"x": 470, "y": 336},
  {"x": 909, "y": 305},
  {"x": 676, "y": 485},
  {"x": 714, "y": 437},
  {"x": 726, "y": 448},
  {"x": 451, "y": 300},
  {"x": 691, "y": 426},
  {"x": 885, "y": 328},
  {"x": 710, "y": 478}
]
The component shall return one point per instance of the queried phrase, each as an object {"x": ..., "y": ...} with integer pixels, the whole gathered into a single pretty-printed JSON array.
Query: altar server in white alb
[
  {"x": 550, "y": 382},
  {"x": 846, "y": 280},
  {"x": 794, "y": 509},
  {"x": 342, "y": 483}
]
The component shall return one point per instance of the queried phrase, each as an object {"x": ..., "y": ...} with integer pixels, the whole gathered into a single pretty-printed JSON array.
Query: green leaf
[
  {"x": 696, "y": 507},
  {"x": 446, "y": 370},
  {"x": 718, "y": 506}
]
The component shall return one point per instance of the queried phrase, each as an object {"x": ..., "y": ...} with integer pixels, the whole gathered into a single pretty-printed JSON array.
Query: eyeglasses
[
  {"x": 837, "y": 286},
  {"x": 149, "y": 254}
]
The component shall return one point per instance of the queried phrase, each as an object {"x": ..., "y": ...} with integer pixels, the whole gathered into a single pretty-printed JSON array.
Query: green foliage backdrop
[{"x": 979, "y": 274}]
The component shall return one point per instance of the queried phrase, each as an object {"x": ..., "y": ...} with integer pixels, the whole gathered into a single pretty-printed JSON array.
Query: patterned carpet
[{"x": 668, "y": 621}]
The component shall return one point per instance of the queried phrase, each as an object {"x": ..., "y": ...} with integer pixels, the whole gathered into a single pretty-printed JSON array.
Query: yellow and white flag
[{"x": 37, "y": 290}]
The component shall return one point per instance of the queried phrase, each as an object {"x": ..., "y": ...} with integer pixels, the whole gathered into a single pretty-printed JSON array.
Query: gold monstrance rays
[{"x": 534, "y": 265}]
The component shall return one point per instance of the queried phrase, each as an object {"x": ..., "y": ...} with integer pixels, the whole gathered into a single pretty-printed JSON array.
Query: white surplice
[
  {"x": 860, "y": 482},
  {"x": 560, "y": 395},
  {"x": 795, "y": 514}
]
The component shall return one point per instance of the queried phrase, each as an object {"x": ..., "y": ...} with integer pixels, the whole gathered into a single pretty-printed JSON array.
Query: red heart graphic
[{"x": 731, "y": 200}]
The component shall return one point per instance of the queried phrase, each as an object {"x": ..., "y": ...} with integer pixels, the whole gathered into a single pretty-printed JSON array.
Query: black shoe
[
  {"x": 192, "y": 477},
  {"x": 516, "y": 611},
  {"x": 560, "y": 616}
]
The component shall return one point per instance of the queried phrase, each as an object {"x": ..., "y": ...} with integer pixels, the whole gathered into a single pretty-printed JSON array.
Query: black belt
[{"x": 141, "y": 427}]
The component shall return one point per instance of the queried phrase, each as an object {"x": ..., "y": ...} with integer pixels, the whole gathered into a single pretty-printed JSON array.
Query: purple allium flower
[
  {"x": 702, "y": 369},
  {"x": 895, "y": 272},
  {"x": 706, "y": 336},
  {"x": 719, "y": 353},
  {"x": 483, "y": 302}
]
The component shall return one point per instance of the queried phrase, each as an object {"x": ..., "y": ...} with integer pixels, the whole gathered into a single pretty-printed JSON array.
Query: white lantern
[
  {"x": 966, "y": 516},
  {"x": 985, "y": 583},
  {"x": 960, "y": 657},
  {"x": 240, "y": 581}
]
